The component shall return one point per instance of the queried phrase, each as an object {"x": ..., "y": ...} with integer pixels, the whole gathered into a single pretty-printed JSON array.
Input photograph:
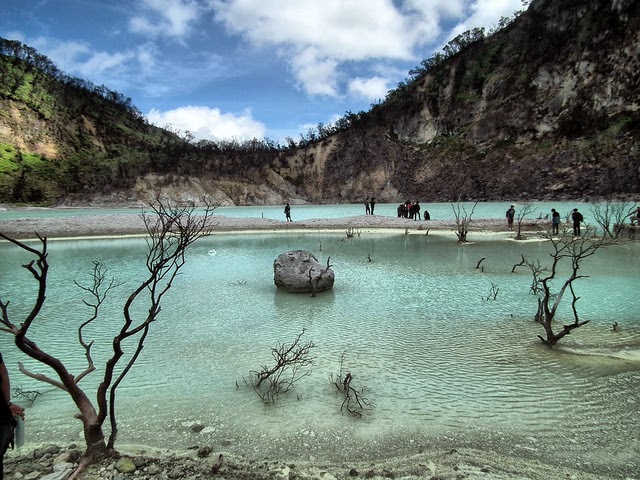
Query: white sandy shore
[{"x": 132, "y": 224}]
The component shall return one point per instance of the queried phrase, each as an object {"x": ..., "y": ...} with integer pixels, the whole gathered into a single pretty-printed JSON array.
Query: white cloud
[
  {"x": 173, "y": 18},
  {"x": 79, "y": 59},
  {"x": 317, "y": 76},
  {"x": 346, "y": 30},
  {"x": 319, "y": 37},
  {"x": 100, "y": 62},
  {"x": 209, "y": 123},
  {"x": 374, "y": 88}
]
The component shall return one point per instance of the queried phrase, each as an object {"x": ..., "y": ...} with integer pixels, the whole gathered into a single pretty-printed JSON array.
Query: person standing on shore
[
  {"x": 511, "y": 213},
  {"x": 373, "y": 204},
  {"x": 8, "y": 412},
  {"x": 367, "y": 209},
  {"x": 555, "y": 221},
  {"x": 577, "y": 218},
  {"x": 287, "y": 212}
]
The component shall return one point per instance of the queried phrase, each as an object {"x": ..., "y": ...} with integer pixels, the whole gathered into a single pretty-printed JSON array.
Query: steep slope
[{"x": 546, "y": 108}]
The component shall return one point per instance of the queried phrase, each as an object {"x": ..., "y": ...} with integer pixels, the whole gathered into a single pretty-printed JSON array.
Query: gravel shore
[{"x": 120, "y": 224}]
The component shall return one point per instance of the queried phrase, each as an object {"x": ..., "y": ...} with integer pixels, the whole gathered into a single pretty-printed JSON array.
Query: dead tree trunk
[
  {"x": 171, "y": 231},
  {"x": 463, "y": 219},
  {"x": 573, "y": 250}
]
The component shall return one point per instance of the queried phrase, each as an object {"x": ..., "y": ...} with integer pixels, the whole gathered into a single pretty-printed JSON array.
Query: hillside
[{"x": 547, "y": 107}]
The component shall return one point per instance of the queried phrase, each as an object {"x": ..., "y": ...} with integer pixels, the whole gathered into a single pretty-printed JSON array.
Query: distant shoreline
[{"x": 127, "y": 224}]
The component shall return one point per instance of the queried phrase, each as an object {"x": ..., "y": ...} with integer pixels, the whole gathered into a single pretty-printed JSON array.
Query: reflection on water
[{"x": 442, "y": 366}]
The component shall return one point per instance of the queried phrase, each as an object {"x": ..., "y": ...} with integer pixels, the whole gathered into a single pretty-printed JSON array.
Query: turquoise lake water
[{"x": 443, "y": 366}]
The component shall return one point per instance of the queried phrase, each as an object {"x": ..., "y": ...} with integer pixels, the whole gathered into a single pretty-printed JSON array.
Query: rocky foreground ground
[{"x": 53, "y": 462}]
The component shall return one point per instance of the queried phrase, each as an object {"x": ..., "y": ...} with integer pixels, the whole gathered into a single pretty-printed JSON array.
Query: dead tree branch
[
  {"x": 573, "y": 250},
  {"x": 29, "y": 396},
  {"x": 610, "y": 216},
  {"x": 527, "y": 209},
  {"x": 171, "y": 230},
  {"x": 353, "y": 400},
  {"x": 493, "y": 293},
  {"x": 290, "y": 362},
  {"x": 314, "y": 281},
  {"x": 463, "y": 219}
]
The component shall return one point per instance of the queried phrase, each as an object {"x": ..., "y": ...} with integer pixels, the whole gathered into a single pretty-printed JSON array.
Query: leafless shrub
[
  {"x": 291, "y": 362},
  {"x": 610, "y": 216},
  {"x": 353, "y": 401},
  {"x": 170, "y": 232},
  {"x": 527, "y": 209},
  {"x": 463, "y": 219},
  {"x": 352, "y": 232},
  {"x": 572, "y": 250},
  {"x": 493, "y": 293},
  {"x": 25, "y": 396}
]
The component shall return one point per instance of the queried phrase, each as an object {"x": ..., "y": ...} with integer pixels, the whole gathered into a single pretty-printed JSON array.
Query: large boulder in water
[{"x": 291, "y": 272}]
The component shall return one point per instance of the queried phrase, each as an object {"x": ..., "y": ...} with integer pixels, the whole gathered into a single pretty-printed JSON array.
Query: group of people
[
  {"x": 576, "y": 220},
  {"x": 412, "y": 211},
  {"x": 9, "y": 412}
]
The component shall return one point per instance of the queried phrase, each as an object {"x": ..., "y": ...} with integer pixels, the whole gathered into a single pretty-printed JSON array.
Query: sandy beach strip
[{"x": 125, "y": 224}]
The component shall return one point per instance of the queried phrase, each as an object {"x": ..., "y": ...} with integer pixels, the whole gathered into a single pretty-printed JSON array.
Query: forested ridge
[{"x": 545, "y": 106}]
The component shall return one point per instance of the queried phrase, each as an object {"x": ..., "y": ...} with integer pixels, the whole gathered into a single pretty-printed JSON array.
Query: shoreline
[
  {"x": 130, "y": 224},
  {"x": 204, "y": 461}
]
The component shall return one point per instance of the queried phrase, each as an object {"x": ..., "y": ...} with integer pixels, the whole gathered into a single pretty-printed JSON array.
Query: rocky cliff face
[{"x": 546, "y": 108}]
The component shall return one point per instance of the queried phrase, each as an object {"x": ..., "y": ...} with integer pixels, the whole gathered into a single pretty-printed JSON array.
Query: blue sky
[{"x": 225, "y": 69}]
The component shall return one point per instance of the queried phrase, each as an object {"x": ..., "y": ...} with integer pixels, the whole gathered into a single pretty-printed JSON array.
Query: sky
[{"x": 243, "y": 69}]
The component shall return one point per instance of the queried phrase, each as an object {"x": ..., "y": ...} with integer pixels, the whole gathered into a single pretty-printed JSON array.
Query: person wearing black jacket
[
  {"x": 577, "y": 217},
  {"x": 8, "y": 412}
]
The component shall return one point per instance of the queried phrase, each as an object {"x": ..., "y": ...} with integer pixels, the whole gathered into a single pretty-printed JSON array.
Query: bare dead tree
[
  {"x": 28, "y": 396},
  {"x": 171, "y": 231},
  {"x": 527, "y": 209},
  {"x": 610, "y": 216},
  {"x": 463, "y": 219},
  {"x": 523, "y": 262},
  {"x": 574, "y": 251},
  {"x": 351, "y": 232},
  {"x": 291, "y": 362},
  {"x": 314, "y": 281},
  {"x": 354, "y": 400},
  {"x": 536, "y": 268},
  {"x": 493, "y": 293},
  {"x": 480, "y": 261}
]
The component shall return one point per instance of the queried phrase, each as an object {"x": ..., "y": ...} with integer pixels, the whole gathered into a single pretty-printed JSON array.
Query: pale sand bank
[{"x": 131, "y": 224}]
